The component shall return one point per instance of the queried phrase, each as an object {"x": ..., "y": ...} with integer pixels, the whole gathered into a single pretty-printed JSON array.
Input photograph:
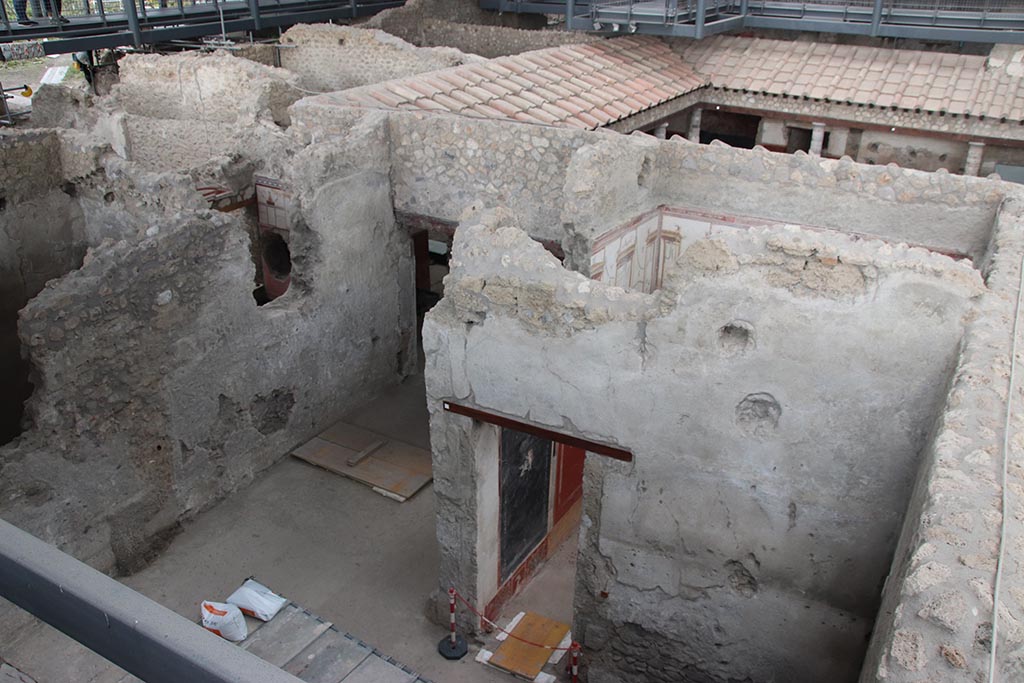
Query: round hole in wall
[
  {"x": 757, "y": 415},
  {"x": 108, "y": 197},
  {"x": 735, "y": 337},
  {"x": 276, "y": 255}
]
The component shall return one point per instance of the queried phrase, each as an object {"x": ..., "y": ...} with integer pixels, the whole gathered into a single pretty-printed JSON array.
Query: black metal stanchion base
[{"x": 456, "y": 650}]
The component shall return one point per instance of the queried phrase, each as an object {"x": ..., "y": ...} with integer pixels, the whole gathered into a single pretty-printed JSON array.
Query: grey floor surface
[{"x": 347, "y": 554}]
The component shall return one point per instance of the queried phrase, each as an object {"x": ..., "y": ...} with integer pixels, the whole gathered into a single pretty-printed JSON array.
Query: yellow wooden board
[
  {"x": 516, "y": 657},
  {"x": 396, "y": 468}
]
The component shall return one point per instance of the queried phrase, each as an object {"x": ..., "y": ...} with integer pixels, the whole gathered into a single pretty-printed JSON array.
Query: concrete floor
[{"x": 330, "y": 544}]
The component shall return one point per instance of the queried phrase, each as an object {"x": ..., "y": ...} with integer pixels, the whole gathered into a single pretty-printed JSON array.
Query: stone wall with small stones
[
  {"x": 161, "y": 386},
  {"x": 492, "y": 41},
  {"x": 327, "y": 57},
  {"x": 935, "y": 623},
  {"x": 404, "y": 21}
]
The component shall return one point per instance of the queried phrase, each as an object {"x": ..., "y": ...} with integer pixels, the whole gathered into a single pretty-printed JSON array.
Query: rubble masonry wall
[{"x": 328, "y": 57}]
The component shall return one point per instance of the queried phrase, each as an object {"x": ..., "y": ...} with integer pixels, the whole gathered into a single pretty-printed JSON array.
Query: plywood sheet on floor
[
  {"x": 396, "y": 468},
  {"x": 522, "y": 659}
]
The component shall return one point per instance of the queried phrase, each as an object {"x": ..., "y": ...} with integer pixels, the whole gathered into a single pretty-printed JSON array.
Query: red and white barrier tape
[{"x": 474, "y": 610}]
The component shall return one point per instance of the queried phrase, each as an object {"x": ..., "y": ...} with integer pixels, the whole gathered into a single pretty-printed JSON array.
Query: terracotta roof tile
[
  {"x": 583, "y": 86},
  {"x": 907, "y": 79}
]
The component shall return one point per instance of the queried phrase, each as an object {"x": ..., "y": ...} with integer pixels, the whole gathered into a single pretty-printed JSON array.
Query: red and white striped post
[
  {"x": 451, "y": 609},
  {"x": 574, "y": 654},
  {"x": 452, "y": 646}
]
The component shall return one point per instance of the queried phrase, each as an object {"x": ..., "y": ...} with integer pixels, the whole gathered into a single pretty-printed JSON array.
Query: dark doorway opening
[
  {"x": 276, "y": 266},
  {"x": 735, "y": 130},
  {"x": 799, "y": 139},
  {"x": 14, "y": 377},
  {"x": 525, "y": 466}
]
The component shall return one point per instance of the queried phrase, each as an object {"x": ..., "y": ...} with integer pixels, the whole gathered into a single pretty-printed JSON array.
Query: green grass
[{"x": 20, "y": 63}]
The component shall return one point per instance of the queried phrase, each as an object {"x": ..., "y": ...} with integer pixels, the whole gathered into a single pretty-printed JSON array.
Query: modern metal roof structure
[
  {"x": 98, "y": 24},
  {"x": 987, "y": 21}
]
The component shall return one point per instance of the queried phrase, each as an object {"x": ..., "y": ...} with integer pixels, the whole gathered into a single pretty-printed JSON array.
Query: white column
[
  {"x": 817, "y": 138},
  {"x": 693, "y": 135},
  {"x": 661, "y": 130},
  {"x": 975, "y": 151}
]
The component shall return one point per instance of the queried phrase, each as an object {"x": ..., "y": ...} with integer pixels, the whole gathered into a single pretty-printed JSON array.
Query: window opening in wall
[
  {"x": 273, "y": 204},
  {"x": 276, "y": 255},
  {"x": 277, "y": 263},
  {"x": 432, "y": 252},
  {"x": 799, "y": 139},
  {"x": 735, "y": 130}
]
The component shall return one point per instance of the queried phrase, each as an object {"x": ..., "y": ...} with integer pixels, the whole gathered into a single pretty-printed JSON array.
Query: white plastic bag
[
  {"x": 256, "y": 600},
  {"x": 224, "y": 620}
]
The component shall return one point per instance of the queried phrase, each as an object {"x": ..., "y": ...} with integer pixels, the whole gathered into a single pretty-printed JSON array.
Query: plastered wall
[{"x": 769, "y": 478}]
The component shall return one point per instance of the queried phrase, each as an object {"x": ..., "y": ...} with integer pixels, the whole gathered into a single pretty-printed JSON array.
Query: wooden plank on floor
[
  {"x": 350, "y": 436},
  {"x": 521, "y": 659},
  {"x": 409, "y": 457},
  {"x": 376, "y": 670},
  {"x": 328, "y": 659},
  {"x": 395, "y": 467},
  {"x": 285, "y": 636},
  {"x": 322, "y": 452}
]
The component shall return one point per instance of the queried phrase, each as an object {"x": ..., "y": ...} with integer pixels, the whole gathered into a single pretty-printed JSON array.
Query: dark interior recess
[
  {"x": 276, "y": 255},
  {"x": 525, "y": 474},
  {"x": 735, "y": 130}
]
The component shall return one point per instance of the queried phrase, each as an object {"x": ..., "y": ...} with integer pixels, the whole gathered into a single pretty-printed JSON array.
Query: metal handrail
[{"x": 127, "y": 628}]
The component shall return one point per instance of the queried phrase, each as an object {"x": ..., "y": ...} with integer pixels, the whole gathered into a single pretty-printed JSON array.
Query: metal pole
[
  {"x": 698, "y": 28},
  {"x": 570, "y": 10},
  {"x": 254, "y": 10},
  {"x": 876, "y": 18},
  {"x": 133, "y": 22},
  {"x": 140, "y": 636}
]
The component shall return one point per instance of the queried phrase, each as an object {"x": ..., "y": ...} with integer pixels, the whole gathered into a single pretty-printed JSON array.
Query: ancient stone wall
[
  {"x": 328, "y": 57},
  {"x": 42, "y": 236},
  {"x": 769, "y": 480},
  {"x": 573, "y": 195},
  {"x": 935, "y": 621},
  {"x": 405, "y": 21},
  {"x": 161, "y": 386},
  {"x": 182, "y": 111},
  {"x": 491, "y": 41}
]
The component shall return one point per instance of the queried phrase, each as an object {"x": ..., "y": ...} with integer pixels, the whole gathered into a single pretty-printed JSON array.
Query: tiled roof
[
  {"x": 586, "y": 86},
  {"x": 883, "y": 77}
]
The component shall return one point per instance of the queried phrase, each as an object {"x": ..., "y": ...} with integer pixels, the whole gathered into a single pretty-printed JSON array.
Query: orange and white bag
[
  {"x": 225, "y": 620},
  {"x": 256, "y": 600}
]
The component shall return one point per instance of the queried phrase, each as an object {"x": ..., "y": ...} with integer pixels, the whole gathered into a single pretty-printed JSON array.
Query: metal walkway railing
[
  {"x": 97, "y": 24},
  {"x": 988, "y": 21}
]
